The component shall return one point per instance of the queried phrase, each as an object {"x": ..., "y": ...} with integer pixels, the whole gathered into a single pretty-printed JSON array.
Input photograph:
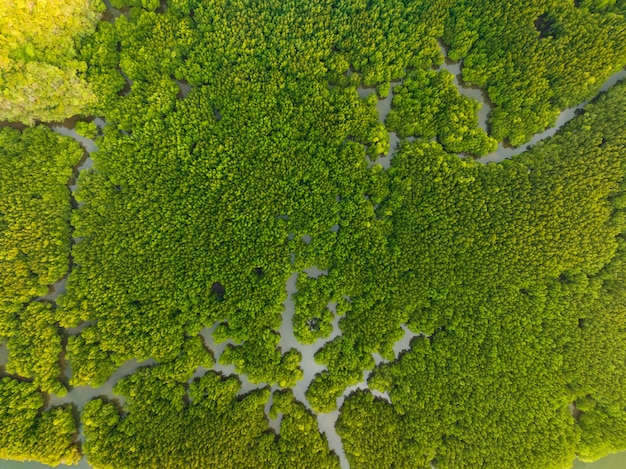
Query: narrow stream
[
  {"x": 80, "y": 395},
  {"x": 4, "y": 354},
  {"x": 54, "y": 291},
  {"x": 470, "y": 92},
  {"x": 218, "y": 349},
  {"x": 111, "y": 13},
  {"x": 404, "y": 343},
  {"x": 184, "y": 87},
  {"x": 383, "y": 106},
  {"x": 503, "y": 151},
  {"x": 88, "y": 145},
  {"x": 326, "y": 422}
]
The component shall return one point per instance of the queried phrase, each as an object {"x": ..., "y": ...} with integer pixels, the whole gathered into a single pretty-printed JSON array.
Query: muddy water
[
  {"x": 4, "y": 354},
  {"x": 503, "y": 152},
  {"x": 78, "y": 329},
  {"x": 471, "y": 92},
  {"x": 88, "y": 145},
  {"x": 54, "y": 291},
  {"x": 80, "y": 395},
  {"x": 111, "y": 13},
  {"x": 404, "y": 343},
  {"x": 325, "y": 422},
  {"x": 383, "y": 106},
  {"x": 184, "y": 88},
  {"x": 399, "y": 347},
  {"x": 5, "y": 464},
  {"x": 218, "y": 349},
  {"x": 274, "y": 424},
  {"x": 613, "y": 461}
]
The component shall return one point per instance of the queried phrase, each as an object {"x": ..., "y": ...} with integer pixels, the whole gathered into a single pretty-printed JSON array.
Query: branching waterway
[
  {"x": 503, "y": 151},
  {"x": 326, "y": 422}
]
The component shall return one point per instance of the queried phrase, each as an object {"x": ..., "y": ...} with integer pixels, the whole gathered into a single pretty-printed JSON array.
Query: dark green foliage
[
  {"x": 195, "y": 192},
  {"x": 170, "y": 423},
  {"x": 300, "y": 444},
  {"x": 533, "y": 58},
  {"x": 312, "y": 319},
  {"x": 30, "y": 433},
  {"x": 35, "y": 167},
  {"x": 428, "y": 105},
  {"x": 616, "y": 6},
  {"x": 261, "y": 149},
  {"x": 373, "y": 435},
  {"x": 237, "y": 152},
  {"x": 34, "y": 347},
  {"x": 521, "y": 301},
  {"x": 380, "y": 39},
  {"x": 594, "y": 358}
]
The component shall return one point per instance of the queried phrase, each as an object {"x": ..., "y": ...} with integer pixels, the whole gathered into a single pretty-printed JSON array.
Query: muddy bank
[
  {"x": 383, "y": 106},
  {"x": 504, "y": 152},
  {"x": 80, "y": 395}
]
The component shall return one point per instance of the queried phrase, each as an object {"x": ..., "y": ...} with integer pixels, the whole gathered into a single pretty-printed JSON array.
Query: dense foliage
[
  {"x": 428, "y": 105},
  {"x": 41, "y": 76},
  {"x": 171, "y": 422},
  {"x": 35, "y": 167},
  {"x": 237, "y": 152},
  {"x": 534, "y": 58},
  {"x": 228, "y": 181},
  {"x": 28, "y": 433},
  {"x": 520, "y": 306}
]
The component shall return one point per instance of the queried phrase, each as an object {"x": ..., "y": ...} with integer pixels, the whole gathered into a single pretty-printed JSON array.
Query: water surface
[
  {"x": 613, "y": 461},
  {"x": 326, "y": 422}
]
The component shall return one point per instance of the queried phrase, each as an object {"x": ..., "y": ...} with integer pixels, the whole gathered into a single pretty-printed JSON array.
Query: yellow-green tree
[
  {"x": 40, "y": 71},
  {"x": 30, "y": 433}
]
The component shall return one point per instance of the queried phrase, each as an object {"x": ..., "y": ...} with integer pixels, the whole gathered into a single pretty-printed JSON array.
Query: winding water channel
[
  {"x": 503, "y": 151},
  {"x": 326, "y": 422}
]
